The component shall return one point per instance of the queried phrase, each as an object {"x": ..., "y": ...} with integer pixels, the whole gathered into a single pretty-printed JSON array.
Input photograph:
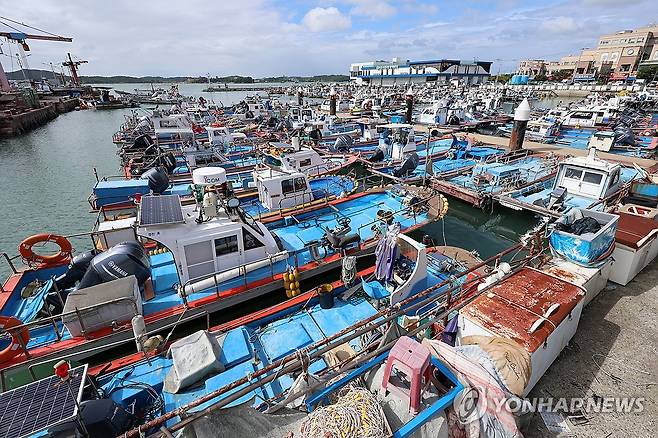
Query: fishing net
[{"x": 356, "y": 414}]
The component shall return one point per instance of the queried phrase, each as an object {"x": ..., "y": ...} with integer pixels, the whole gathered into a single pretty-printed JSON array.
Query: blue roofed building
[{"x": 398, "y": 71}]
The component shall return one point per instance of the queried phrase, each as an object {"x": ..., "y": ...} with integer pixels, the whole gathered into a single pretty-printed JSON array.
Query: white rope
[
  {"x": 356, "y": 414},
  {"x": 348, "y": 273}
]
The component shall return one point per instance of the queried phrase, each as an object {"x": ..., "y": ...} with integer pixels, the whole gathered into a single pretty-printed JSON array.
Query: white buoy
[{"x": 139, "y": 331}]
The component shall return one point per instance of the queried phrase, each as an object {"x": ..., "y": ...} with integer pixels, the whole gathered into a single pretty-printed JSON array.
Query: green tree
[
  {"x": 648, "y": 72},
  {"x": 540, "y": 78}
]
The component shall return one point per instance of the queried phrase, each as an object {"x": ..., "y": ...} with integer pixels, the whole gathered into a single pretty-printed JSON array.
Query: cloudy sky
[{"x": 276, "y": 37}]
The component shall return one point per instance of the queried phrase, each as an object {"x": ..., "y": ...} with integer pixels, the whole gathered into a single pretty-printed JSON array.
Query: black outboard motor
[
  {"x": 343, "y": 144},
  {"x": 158, "y": 179},
  {"x": 102, "y": 417},
  {"x": 377, "y": 156},
  {"x": 142, "y": 142},
  {"x": 315, "y": 135},
  {"x": 76, "y": 270},
  {"x": 624, "y": 136},
  {"x": 120, "y": 261},
  {"x": 408, "y": 166}
]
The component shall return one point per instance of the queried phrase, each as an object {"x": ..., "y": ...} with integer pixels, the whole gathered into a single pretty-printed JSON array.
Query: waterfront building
[
  {"x": 617, "y": 56},
  {"x": 532, "y": 67},
  {"x": 398, "y": 71}
]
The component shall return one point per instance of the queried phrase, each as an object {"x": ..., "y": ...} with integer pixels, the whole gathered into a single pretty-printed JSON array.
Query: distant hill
[
  {"x": 130, "y": 79},
  {"x": 33, "y": 74},
  {"x": 316, "y": 78}
]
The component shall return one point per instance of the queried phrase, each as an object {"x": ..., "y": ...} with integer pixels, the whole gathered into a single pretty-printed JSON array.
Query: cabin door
[{"x": 228, "y": 250}]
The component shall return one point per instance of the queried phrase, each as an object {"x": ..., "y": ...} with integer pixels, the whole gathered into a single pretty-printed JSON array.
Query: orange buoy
[
  {"x": 28, "y": 254},
  {"x": 18, "y": 338}
]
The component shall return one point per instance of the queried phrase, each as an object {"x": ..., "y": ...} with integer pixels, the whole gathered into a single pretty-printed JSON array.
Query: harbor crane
[
  {"x": 20, "y": 38},
  {"x": 73, "y": 66}
]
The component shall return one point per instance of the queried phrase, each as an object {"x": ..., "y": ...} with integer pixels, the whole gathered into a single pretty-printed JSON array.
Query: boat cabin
[
  {"x": 602, "y": 140},
  {"x": 341, "y": 105},
  {"x": 172, "y": 127},
  {"x": 286, "y": 158},
  {"x": 588, "y": 177},
  {"x": 222, "y": 136},
  {"x": 397, "y": 140},
  {"x": 279, "y": 190},
  {"x": 213, "y": 236},
  {"x": 437, "y": 114}
]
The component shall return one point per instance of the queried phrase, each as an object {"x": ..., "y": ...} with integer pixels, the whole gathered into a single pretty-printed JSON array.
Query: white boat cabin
[
  {"x": 280, "y": 190},
  {"x": 397, "y": 140},
  {"x": 341, "y": 105},
  {"x": 178, "y": 126},
  {"x": 221, "y": 135},
  {"x": 436, "y": 114},
  {"x": 368, "y": 128},
  {"x": 286, "y": 158},
  {"x": 213, "y": 236},
  {"x": 588, "y": 177}
]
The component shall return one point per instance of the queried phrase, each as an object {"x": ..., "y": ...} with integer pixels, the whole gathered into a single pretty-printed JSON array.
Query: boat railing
[
  {"x": 98, "y": 348},
  {"x": 241, "y": 272},
  {"x": 52, "y": 321}
]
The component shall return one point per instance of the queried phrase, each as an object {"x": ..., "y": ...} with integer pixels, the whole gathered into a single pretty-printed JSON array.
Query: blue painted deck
[
  {"x": 265, "y": 340},
  {"x": 527, "y": 169},
  {"x": 541, "y": 192}
]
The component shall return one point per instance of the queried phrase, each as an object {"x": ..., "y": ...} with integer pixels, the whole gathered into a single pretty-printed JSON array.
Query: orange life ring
[
  {"x": 65, "y": 249},
  {"x": 15, "y": 348}
]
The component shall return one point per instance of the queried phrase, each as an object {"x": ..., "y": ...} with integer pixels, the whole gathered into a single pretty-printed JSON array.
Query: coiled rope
[{"x": 356, "y": 414}]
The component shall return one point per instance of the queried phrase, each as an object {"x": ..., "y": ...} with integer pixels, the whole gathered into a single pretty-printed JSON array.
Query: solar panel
[
  {"x": 159, "y": 210},
  {"x": 42, "y": 404}
]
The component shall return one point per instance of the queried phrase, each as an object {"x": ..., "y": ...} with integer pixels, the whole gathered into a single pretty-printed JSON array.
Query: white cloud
[
  {"x": 372, "y": 8},
  {"x": 560, "y": 25},
  {"x": 326, "y": 19}
]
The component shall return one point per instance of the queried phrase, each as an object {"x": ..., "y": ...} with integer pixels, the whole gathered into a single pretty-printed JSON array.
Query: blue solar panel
[
  {"x": 39, "y": 405},
  {"x": 159, "y": 210}
]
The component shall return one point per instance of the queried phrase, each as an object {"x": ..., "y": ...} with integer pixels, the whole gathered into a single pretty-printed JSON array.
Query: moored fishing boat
[{"x": 184, "y": 276}]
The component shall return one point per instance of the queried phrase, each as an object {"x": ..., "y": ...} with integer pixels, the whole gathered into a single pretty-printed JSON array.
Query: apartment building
[{"x": 616, "y": 56}]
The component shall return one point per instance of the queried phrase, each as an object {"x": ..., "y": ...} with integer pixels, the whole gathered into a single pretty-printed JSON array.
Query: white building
[{"x": 398, "y": 71}]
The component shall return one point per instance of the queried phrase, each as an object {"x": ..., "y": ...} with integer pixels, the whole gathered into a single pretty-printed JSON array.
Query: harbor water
[{"x": 47, "y": 175}]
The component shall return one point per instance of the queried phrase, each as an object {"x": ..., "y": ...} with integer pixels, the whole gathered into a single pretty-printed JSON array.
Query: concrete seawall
[{"x": 13, "y": 123}]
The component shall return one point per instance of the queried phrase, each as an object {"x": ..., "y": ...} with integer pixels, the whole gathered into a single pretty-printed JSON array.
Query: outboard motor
[
  {"x": 120, "y": 261},
  {"x": 158, "y": 179},
  {"x": 377, "y": 156},
  {"x": 624, "y": 136},
  {"x": 142, "y": 142},
  {"x": 343, "y": 143},
  {"x": 76, "y": 270},
  {"x": 408, "y": 166}
]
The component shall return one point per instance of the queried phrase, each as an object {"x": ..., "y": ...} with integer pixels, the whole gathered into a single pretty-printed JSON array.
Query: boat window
[
  {"x": 581, "y": 115},
  {"x": 287, "y": 186},
  {"x": 249, "y": 241},
  {"x": 592, "y": 178},
  {"x": 572, "y": 173},
  {"x": 300, "y": 184},
  {"x": 199, "y": 259},
  {"x": 305, "y": 163},
  {"x": 226, "y": 245}
]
